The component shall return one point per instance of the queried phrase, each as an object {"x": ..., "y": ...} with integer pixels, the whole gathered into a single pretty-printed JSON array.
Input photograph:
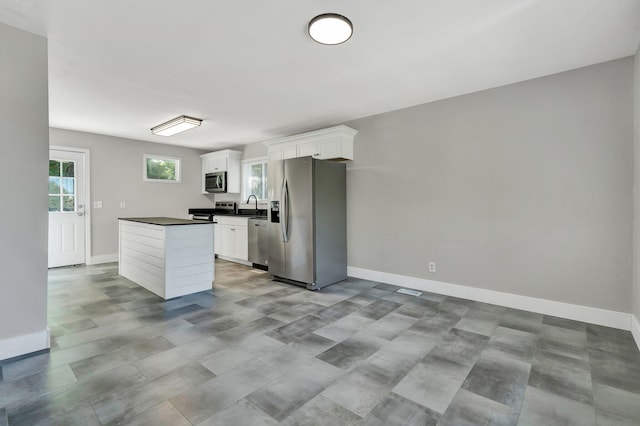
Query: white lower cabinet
[
  {"x": 227, "y": 240},
  {"x": 241, "y": 248},
  {"x": 232, "y": 237}
]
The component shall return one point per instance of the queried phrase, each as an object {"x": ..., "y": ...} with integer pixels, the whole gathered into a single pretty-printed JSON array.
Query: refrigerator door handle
[{"x": 284, "y": 223}]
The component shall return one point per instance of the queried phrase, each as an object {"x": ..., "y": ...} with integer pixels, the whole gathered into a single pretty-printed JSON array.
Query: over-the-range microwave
[{"x": 215, "y": 182}]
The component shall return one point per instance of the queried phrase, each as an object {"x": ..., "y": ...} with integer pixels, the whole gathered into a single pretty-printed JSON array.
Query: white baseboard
[
  {"x": 635, "y": 329},
  {"x": 588, "y": 314},
  {"x": 104, "y": 258},
  {"x": 24, "y": 344}
]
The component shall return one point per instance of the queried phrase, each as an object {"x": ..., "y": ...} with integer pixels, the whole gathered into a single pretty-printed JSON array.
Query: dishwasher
[{"x": 258, "y": 243}]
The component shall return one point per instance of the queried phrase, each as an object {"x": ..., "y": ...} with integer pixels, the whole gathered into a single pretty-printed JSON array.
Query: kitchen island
[{"x": 168, "y": 256}]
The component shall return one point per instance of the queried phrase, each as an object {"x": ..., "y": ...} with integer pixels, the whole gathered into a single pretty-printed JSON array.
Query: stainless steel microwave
[{"x": 215, "y": 182}]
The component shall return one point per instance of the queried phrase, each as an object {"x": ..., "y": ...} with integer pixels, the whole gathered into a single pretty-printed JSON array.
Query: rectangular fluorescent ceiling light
[{"x": 177, "y": 125}]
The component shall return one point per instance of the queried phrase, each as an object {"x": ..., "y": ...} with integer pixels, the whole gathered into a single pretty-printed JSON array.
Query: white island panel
[
  {"x": 189, "y": 259},
  {"x": 169, "y": 260}
]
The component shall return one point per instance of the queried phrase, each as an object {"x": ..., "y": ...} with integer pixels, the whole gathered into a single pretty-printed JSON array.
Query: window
[
  {"x": 254, "y": 179},
  {"x": 157, "y": 168},
  {"x": 62, "y": 186}
]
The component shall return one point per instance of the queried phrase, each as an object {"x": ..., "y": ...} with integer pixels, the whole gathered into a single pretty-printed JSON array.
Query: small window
[
  {"x": 157, "y": 168},
  {"x": 62, "y": 186},
  {"x": 254, "y": 179}
]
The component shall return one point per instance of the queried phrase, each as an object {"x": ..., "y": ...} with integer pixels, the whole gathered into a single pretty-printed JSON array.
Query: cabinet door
[
  {"x": 275, "y": 153},
  {"x": 330, "y": 148},
  {"x": 205, "y": 170},
  {"x": 217, "y": 238},
  {"x": 214, "y": 164},
  {"x": 218, "y": 164},
  {"x": 289, "y": 151},
  {"x": 207, "y": 166},
  {"x": 228, "y": 241},
  {"x": 305, "y": 149},
  {"x": 242, "y": 243}
]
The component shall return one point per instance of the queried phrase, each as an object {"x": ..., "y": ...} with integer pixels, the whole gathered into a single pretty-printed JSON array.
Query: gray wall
[
  {"x": 636, "y": 151},
  {"x": 254, "y": 150},
  {"x": 24, "y": 119},
  {"x": 116, "y": 175},
  {"x": 525, "y": 189}
]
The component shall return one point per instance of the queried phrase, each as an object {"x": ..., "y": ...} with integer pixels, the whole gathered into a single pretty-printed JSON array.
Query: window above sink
[{"x": 254, "y": 178}]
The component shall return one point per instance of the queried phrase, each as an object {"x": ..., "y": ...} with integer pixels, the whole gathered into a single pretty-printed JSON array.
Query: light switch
[
  {"x": 123, "y": 204},
  {"x": 97, "y": 204}
]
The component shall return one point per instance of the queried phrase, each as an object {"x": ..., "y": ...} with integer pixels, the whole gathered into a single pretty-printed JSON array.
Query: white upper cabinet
[
  {"x": 335, "y": 147},
  {"x": 334, "y": 143},
  {"x": 288, "y": 151},
  {"x": 307, "y": 148},
  {"x": 216, "y": 163},
  {"x": 223, "y": 161}
]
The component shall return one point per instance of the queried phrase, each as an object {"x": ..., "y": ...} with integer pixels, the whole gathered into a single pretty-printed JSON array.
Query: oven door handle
[{"x": 202, "y": 217}]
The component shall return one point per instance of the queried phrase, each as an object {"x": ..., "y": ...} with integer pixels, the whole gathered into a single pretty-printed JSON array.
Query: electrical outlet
[
  {"x": 432, "y": 266},
  {"x": 123, "y": 204},
  {"x": 97, "y": 204}
]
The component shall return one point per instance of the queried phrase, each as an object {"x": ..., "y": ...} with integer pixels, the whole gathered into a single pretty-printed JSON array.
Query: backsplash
[
  {"x": 227, "y": 197},
  {"x": 241, "y": 203}
]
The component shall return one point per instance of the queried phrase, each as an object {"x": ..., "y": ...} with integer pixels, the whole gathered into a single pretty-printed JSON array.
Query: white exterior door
[{"x": 66, "y": 208}]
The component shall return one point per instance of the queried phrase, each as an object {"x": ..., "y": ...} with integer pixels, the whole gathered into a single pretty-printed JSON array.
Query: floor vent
[{"x": 409, "y": 292}]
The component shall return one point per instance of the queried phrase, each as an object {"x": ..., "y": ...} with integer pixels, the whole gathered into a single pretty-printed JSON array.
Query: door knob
[{"x": 80, "y": 214}]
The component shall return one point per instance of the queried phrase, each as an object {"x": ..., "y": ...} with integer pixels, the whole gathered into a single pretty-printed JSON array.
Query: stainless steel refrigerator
[{"x": 307, "y": 221}]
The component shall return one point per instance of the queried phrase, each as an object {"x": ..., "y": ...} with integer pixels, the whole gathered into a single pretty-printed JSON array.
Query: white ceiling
[{"x": 249, "y": 69}]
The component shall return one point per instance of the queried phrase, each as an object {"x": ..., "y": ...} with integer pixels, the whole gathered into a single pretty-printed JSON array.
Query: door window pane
[
  {"x": 68, "y": 203},
  {"x": 68, "y": 186},
  {"x": 54, "y": 185},
  {"x": 62, "y": 181},
  {"x": 54, "y": 168},
  {"x": 54, "y": 203},
  {"x": 68, "y": 169}
]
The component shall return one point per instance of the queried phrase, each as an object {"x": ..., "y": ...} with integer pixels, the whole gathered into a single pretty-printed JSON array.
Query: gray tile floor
[{"x": 257, "y": 352}]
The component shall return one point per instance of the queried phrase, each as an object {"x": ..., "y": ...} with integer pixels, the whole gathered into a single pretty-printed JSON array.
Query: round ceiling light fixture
[{"x": 330, "y": 28}]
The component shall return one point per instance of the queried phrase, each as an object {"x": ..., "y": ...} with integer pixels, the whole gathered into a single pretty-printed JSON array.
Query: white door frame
[{"x": 87, "y": 196}]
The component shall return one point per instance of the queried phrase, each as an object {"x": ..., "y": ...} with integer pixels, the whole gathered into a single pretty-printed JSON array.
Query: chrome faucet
[{"x": 256, "y": 198}]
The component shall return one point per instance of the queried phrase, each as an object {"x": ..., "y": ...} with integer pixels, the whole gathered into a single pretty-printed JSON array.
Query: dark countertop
[
  {"x": 250, "y": 213},
  {"x": 165, "y": 221},
  {"x": 204, "y": 210}
]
